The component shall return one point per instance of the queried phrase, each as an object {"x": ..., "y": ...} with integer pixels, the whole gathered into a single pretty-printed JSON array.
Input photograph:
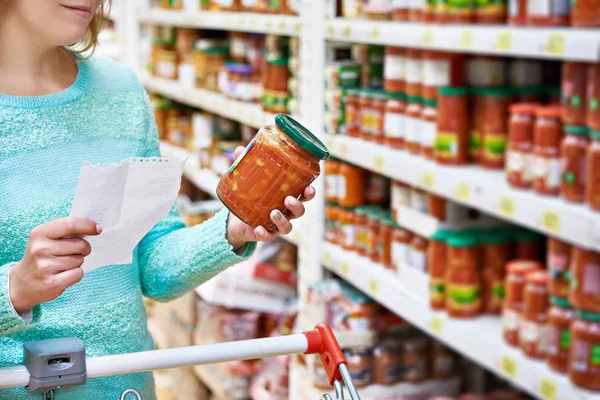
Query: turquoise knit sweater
[{"x": 105, "y": 116}]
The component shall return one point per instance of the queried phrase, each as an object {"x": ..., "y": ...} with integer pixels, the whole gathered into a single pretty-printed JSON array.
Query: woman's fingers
[
  {"x": 284, "y": 226},
  {"x": 309, "y": 194},
  {"x": 66, "y": 247},
  {"x": 238, "y": 152},
  {"x": 295, "y": 206},
  {"x": 263, "y": 235}
]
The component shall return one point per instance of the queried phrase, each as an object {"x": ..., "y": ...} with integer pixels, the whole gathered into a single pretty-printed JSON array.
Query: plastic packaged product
[
  {"x": 418, "y": 200},
  {"x": 463, "y": 281},
  {"x": 428, "y": 128},
  {"x": 413, "y": 125},
  {"x": 386, "y": 363},
  {"x": 494, "y": 128},
  {"x": 520, "y": 145},
  {"x": 547, "y": 134},
  {"x": 378, "y": 104},
  {"x": 534, "y": 318},
  {"x": 452, "y": 139},
  {"x": 496, "y": 250},
  {"x": 486, "y": 71},
  {"x": 332, "y": 223},
  {"x": 583, "y": 354},
  {"x": 414, "y": 358},
  {"x": 401, "y": 239},
  {"x": 548, "y": 12},
  {"x": 360, "y": 365},
  {"x": 445, "y": 210},
  {"x": 525, "y": 73},
  {"x": 573, "y": 88},
  {"x": 288, "y": 156},
  {"x": 400, "y": 197},
  {"x": 476, "y": 116},
  {"x": 366, "y": 112},
  {"x": 418, "y": 253},
  {"x": 573, "y": 150},
  {"x": 351, "y": 113},
  {"x": 585, "y": 13},
  {"x": 558, "y": 259},
  {"x": 517, "y": 12},
  {"x": 592, "y": 190},
  {"x": 352, "y": 182},
  {"x": 394, "y": 69},
  {"x": 444, "y": 361},
  {"x": 414, "y": 72},
  {"x": 385, "y": 241},
  {"x": 593, "y": 97},
  {"x": 585, "y": 280},
  {"x": 528, "y": 245},
  {"x": 373, "y": 235},
  {"x": 394, "y": 120},
  {"x": 346, "y": 221},
  {"x": 361, "y": 230},
  {"x": 490, "y": 11},
  {"x": 437, "y": 253},
  {"x": 378, "y": 189},
  {"x": 455, "y": 11},
  {"x": 516, "y": 271},
  {"x": 560, "y": 316}
]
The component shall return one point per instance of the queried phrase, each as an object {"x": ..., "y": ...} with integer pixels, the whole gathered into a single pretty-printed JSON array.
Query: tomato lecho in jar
[{"x": 282, "y": 160}]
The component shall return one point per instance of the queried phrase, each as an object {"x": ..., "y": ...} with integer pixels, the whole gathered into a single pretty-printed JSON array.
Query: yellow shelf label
[
  {"x": 428, "y": 180},
  {"x": 508, "y": 366},
  {"x": 328, "y": 142},
  {"x": 436, "y": 324},
  {"x": 506, "y": 206},
  {"x": 463, "y": 192},
  {"x": 376, "y": 32},
  {"x": 555, "y": 44},
  {"x": 330, "y": 30},
  {"x": 298, "y": 27},
  {"x": 379, "y": 162},
  {"x": 269, "y": 26},
  {"x": 344, "y": 268},
  {"x": 373, "y": 287},
  {"x": 465, "y": 40},
  {"x": 327, "y": 258},
  {"x": 551, "y": 221},
  {"x": 253, "y": 22},
  {"x": 548, "y": 389},
  {"x": 344, "y": 150},
  {"x": 347, "y": 32},
  {"x": 281, "y": 25},
  {"x": 503, "y": 41},
  {"x": 427, "y": 36}
]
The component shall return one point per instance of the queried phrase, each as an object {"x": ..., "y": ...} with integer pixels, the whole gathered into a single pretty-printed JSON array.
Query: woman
[{"x": 57, "y": 110}]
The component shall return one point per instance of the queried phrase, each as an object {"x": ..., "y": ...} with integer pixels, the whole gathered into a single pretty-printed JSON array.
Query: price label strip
[
  {"x": 555, "y": 44},
  {"x": 506, "y": 206},
  {"x": 463, "y": 192},
  {"x": 551, "y": 221},
  {"x": 373, "y": 287},
  {"x": 503, "y": 41},
  {"x": 548, "y": 389},
  {"x": 509, "y": 367},
  {"x": 436, "y": 325}
]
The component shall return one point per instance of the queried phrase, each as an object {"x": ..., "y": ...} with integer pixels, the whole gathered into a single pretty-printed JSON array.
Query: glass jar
[
  {"x": 592, "y": 190},
  {"x": 418, "y": 200},
  {"x": 437, "y": 69},
  {"x": 288, "y": 155},
  {"x": 428, "y": 128},
  {"x": 457, "y": 12},
  {"x": 476, "y": 123},
  {"x": 400, "y": 197},
  {"x": 366, "y": 111},
  {"x": 332, "y": 166},
  {"x": 394, "y": 120},
  {"x": 490, "y": 12},
  {"x": 517, "y": 12},
  {"x": 573, "y": 149},
  {"x": 593, "y": 97},
  {"x": 452, "y": 139},
  {"x": 394, "y": 69},
  {"x": 558, "y": 259},
  {"x": 166, "y": 65},
  {"x": 377, "y": 119},
  {"x": 514, "y": 287},
  {"x": 560, "y": 316},
  {"x": 520, "y": 145},
  {"x": 548, "y": 12},
  {"x": 483, "y": 71},
  {"x": 413, "y": 125},
  {"x": 547, "y": 134},
  {"x": 386, "y": 363},
  {"x": 463, "y": 281},
  {"x": 585, "y": 280},
  {"x": 331, "y": 223},
  {"x": 400, "y": 10},
  {"x": 496, "y": 250},
  {"x": 378, "y": 189},
  {"x": 360, "y": 365},
  {"x": 275, "y": 86},
  {"x": 585, "y": 13},
  {"x": 418, "y": 253},
  {"x": 414, "y": 358},
  {"x": 583, "y": 354},
  {"x": 430, "y": 11},
  {"x": 361, "y": 230},
  {"x": 373, "y": 235},
  {"x": 525, "y": 73},
  {"x": 346, "y": 221},
  {"x": 379, "y": 10},
  {"x": 528, "y": 245},
  {"x": 437, "y": 253},
  {"x": 414, "y": 72},
  {"x": 401, "y": 239},
  {"x": 385, "y": 241},
  {"x": 215, "y": 61},
  {"x": 494, "y": 127},
  {"x": 351, "y": 113},
  {"x": 534, "y": 318},
  {"x": 444, "y": 360},
  {"x": 573, "y": 88}
]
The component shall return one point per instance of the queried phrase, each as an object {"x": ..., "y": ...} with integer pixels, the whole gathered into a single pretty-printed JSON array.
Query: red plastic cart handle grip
[{"x": 322, "y": 341}]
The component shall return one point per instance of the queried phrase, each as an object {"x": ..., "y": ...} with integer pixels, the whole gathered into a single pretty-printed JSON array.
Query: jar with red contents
[
  {"x": 414, "y": 72},
  {"x": 496, "y": 250},
  {"x": 332, "y": 166},
  {"x": 400, "y": 197},
  {"x": 436, "y": 73},
  {"x": 476, "y": 123},
  {"x": 428, "y": 128},
  {"x": 413, "y": 126},
  {"x": 437, "y": 257},
  {"x": 548, "y": 13},
  {"x": 346, "y": 229},
  {"x": 584, "y": 293},
  {"x": 331, "y": 223},
  {"x": 394, "y": 69},
  {"x": 494, "y": 128},
  {"x": 593, "y": 96},
  {"x": 529, "y": 245},
  {"x": 520, "y": 145},
  {"x": 377, "y": 118},
  {"x": 517, "y": 12},
  {"x": 400, "y": 10},
  {"x": 560, "y": 317},
  {"x": 401, "y": 239},
  {"x": 351, "y": 113},
  {"x": 573, "y": 150},
  {"x": 573, "y": 88},
  {"x": 490, "y": 12},
  {"x": 418, "y": 253},
  {"x": 592, "y": 190},
  {"x": 534, "y": 318},
  {"x": 385, "y": 241},
  {"x": 361, "y": 231},
  {"x": 463, "y": 280},
  {"x": 378, "y": 189},
  {"x": 512, "y": 308},
  {"x": 452, "y": 139},
  {"x": 585, "y": 13},
  {"x": 584, "y": 366},
  {"x": 547, "y": 134},
  {"x": 558, "y": 259},
  {"x": 455, "y": 12},
  {"x": 365, "y": 114},
  {"x": 373, "y": 227},
  {"x": 394, "y": 120}
]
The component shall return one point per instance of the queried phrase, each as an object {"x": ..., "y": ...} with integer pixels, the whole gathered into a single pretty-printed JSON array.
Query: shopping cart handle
[{"x": 322, "y": 341}]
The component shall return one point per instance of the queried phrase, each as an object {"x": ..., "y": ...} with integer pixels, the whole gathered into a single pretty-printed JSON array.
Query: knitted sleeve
[
  {"x": 175, "y": 259},
  {"x": 10, "y": 321}
]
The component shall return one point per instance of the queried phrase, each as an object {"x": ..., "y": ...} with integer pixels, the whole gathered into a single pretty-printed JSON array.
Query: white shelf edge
[
  {"x": 479, "y": 339},
  {"x": 562, "y": 43},
  {"x": 229, "y": 21},
  {"x": 476, "y": 187}
]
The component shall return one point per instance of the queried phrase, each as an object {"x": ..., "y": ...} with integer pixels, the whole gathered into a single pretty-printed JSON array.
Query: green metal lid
[
  {"x": 559, "y": 301},
  {"x": 159, "y": 42},
  {"x": 576, "y": 130},
  {"x": 497, "y": 91},
  {"x": 496, "y": 236},
  {"x": 462, "y": 240},
  {"x": 441, "y": 235},
  {"x": 552, "y": 90},
  {"x": 530, "y": 90},
  {"x": 595, "y": 134},
  {"x": 525, "y": 235},
  {"x": 396, "y": 95},
  {"x": 453, "y": 91},
  {"x": 430, "y": 102},
  {"x": 299, "y": 134},
  {"x": 587, "y": 315},
  {"x": 414, "y": 99},
  {"x": 280, "y": 62},
  {"x": 217, "y": 51}
]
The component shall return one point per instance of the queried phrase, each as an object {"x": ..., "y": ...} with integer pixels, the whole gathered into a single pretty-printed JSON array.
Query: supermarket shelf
[
  {"x": 550, "y": 43},
  {"x": 476, "y": 187},
  {"x": 246, "y": 113},
  {"x": 345, "y": 339},
  {"x": 479, "y": 339},
  {"x": 221, "y": 386},
  {"x": 229, "y": 21}
]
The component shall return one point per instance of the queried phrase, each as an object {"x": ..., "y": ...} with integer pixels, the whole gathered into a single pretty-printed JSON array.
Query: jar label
[
  {"x": 547, "y": 8},
  {"x": 547, "y": 170},
  {"x": 580, "y": 357},
  {"x": 166, "y": 69},
  {"x": 341, "y": 187},
  {"x": 414, "y": 70},
  {"x": 399, "y": 4},
  {"x": 532, "y": 332},
  {"x": 513, "y": 8},
  {"x": 494, "y": 146},
  {"x": 418, "y": 201},
  {"x": 236, "y": 162},
  {"x": 510, "y": 319},
  {"x": 459, "y": 4},
  {"x": 437, "y": 289},
  {"x": 400, "y": 253},
  {"x": 428, "y": 133},
  {"x": 515, "y": 161},
  {"x": 394, "y": 124},
  {"x": 418, "y": 259},
  {"x": 558, "y": 340},
  {"x": 362, "y": 237},
  {"x": 463, "y": 297},
  {"x": 348, "y": 235},
  {"x": 446, "y": 144},
  {"x": 331, "y": 186},
  {"x": 436, "y": 73},
  {"x": 498, "y": 291},
  {"x": 474, "y": 143},
  {"x": 351, "y": 115},
  {"x": 394, "y": 67},
  {"x": 413, "y": 129},
  {"x": 591, "y": 279}
]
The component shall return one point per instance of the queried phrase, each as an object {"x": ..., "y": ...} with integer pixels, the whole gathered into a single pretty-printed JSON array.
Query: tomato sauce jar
[
  {"x": 385, "y": 241},
  {"x": 401, "y": 239},
  {"x": 282, "y": 160},
  {"x": 573, "y": 150},
  {"x": 547, "y": 134},
  {"x": 558, "y": 259},
  {"x": 548, "y": 12},
  {"x": 413, "y": 126},
  {"x": 463, "y": 281},
  {"x": 331, "y": 223},
  {"x": 585, "y": 280},
  {"x": 437, "y": 70},
  {"x": 414, "y": 72},
  {"x": 513, "y": 301},
  {"x": 452, "y": 139},
  {"x": 394, "y": 120},
  {"x": 494, "y": 127},
  {"x": 373, "y": 235},
  {"x": 560, "y": 316},
  {"x": 476, "y": 123},
  {"x": 351, "y": 113},
  {"x": 585, "y": 13},
  {"x": 496, "y": 250},
  {"x": 361, "y": 231},
  {"x": 520, "y": 145},
  {"x": 394, "y": 69},
  {"x": 346, "y": 221},
  {"x": 418, "y": 253},
  {"x": 365, "y": 104},
  {"x": 592, "y": 190},
  {"x": 400, "y": 197},
  {"x": 528, "y": 245},
  {"x": 584, "y": 362},
  {"x": 378, "y": 104},
  {"x": 573, "y": 88},
  {"x": 332, "y": 166},
  {"x": 351, "y": 185},
  {"x": 593, "y": 96},
  {"x": 428, "y": 128},
  {"x": 437, "y": 253},
  {"x": 534, "y": 318}
]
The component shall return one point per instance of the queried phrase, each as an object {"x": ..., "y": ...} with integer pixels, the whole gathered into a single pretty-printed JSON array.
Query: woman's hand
[
  {"x": 51, "y": 262},
  {"x": 239, "y": 233}
]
